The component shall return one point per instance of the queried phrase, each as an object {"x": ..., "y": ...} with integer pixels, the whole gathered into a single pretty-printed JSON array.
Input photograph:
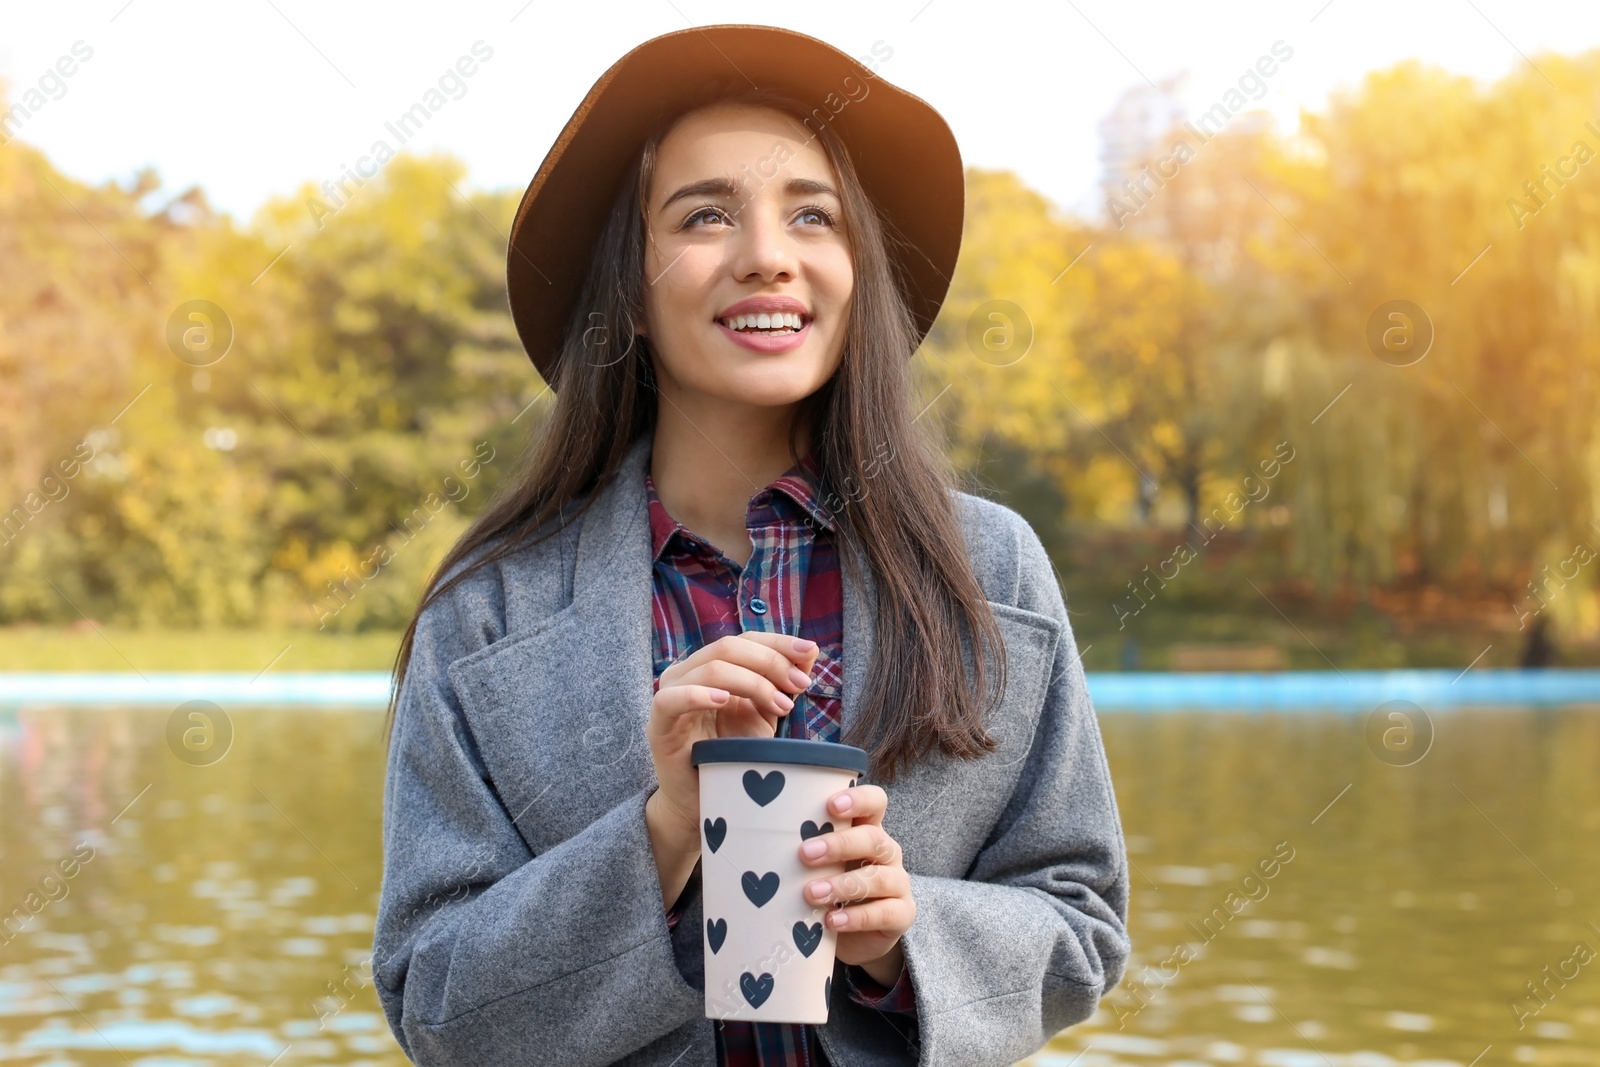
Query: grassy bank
[
  {"x": 1232, "y": 607},
  {"x": 1158, "y": 639},
  {"x": 1234, "y": 595},
  {"x": 37, "y": 648}
]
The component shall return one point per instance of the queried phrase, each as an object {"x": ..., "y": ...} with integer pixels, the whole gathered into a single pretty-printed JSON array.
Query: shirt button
[{"x": 758, "y": 605}]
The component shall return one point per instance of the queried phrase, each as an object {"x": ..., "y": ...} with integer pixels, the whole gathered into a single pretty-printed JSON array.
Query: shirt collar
[{"x": 803, "y": 483}]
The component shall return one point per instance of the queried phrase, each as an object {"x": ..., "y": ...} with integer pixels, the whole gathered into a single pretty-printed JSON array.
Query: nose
[{"x": 763, "y": 250}]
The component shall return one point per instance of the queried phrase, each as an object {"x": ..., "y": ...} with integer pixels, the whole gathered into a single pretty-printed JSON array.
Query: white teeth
[{"x": 764, "y": 321}]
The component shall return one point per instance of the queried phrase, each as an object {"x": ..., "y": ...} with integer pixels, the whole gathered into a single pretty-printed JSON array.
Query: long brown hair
[{"x": 897, "y": 506}]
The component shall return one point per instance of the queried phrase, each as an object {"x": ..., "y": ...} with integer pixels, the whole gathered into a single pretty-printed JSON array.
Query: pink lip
[
  {"x": 777, "y": 342},
  {"x": 769, "y": 305}
]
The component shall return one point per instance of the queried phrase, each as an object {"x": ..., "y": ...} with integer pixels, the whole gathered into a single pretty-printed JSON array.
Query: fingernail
[
  {"x": 798, "y": 677},
  {"x": 839, "y": 918},
  {"x": 821, "y": 890},
  {"x": 784, "y": 702},
  {"x": 841, "y": 803},
  {"x": 813, "y": 849},
  {"x": 804, "y": 646}
]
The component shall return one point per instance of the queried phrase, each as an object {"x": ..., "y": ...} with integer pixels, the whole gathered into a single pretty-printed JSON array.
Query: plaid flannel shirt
[{"x": 791, "y": 585}]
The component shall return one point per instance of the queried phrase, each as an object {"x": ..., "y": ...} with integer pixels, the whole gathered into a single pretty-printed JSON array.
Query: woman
[{"x": 729, "y": 526}]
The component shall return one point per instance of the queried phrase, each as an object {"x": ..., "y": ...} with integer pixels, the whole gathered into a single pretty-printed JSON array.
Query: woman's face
[{"x": 744, "y": 219}]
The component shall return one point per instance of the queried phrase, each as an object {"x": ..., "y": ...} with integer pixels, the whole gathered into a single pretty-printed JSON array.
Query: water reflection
[
  {"x": 225, "y": 914},
  {"x": 1419, "y": 902},
  {"x": 1298, "y": 902}
]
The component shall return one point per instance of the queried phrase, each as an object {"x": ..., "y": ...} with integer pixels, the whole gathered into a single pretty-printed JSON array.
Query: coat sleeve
[
  {"x": 1035, "y": 934},
  {"x": 484, "y": 952}
]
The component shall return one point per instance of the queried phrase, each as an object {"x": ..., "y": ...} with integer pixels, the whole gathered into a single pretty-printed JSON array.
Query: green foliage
[
  {"x": 1230, "y": 314},
  {"x": 362, "y": 413}
]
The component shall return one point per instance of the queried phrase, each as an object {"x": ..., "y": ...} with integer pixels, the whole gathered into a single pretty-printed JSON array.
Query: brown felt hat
[{"x": 902, "y": 149}]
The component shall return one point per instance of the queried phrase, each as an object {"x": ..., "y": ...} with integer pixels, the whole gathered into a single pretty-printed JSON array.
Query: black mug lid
[{"x": 779, "y": 750}]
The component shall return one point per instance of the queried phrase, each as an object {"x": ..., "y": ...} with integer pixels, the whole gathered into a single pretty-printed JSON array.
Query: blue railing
[
  {"x": 1343, "y": 690},
  {"x": 1133, "y": 691}
]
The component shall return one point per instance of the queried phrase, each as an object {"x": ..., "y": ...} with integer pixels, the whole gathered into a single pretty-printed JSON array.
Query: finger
[
  {"x": 862, "y": 803},
  {"x": 787, "y": 661},
  {"x": 800, "y": 652},
  {"x": 674, "y": 703},
  {"x": 861, "y": 883},
  {"x": 795, "y": 649},
  {"x": 887, "y": 913},
  {"x": 867, "y": 842},
  {"x": 773, "y": 656},
  {"x": 740, "y": 681},
  {"x": 803, "y": 658}
]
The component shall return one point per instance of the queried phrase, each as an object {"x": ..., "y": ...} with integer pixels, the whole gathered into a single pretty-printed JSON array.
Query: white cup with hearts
[{"x": 769, "y": 955}]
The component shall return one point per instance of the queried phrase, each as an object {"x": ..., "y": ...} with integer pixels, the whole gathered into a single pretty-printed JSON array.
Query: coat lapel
[{"x": 558, "y": 711}]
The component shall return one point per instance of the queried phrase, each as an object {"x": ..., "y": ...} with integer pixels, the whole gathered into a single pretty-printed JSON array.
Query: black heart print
[
  {"x": 853, "y": 782},
  {"x": 760, "y": 890},
  {"x": 827, "y": 990},
  {"x": 763, "y": 790},
  {"x": 810, "y": 829},
  {"x": 716, "y": 933},
  {"x": 807, "y": 938},
  {"x": 755, "y": 990},
  {"x": 715, "y": 832}
]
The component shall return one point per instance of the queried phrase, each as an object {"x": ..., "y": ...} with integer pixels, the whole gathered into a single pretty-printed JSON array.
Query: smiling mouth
[{"x": 766, "y": 325}]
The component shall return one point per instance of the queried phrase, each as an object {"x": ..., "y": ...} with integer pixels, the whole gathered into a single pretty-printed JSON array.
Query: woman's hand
[
  {"x": 875, "y": 897},
  {"x": 737, "y": 686}
]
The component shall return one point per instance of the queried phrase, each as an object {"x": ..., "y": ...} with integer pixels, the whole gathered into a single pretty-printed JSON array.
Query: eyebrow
[{"x": 723, "y": 187}]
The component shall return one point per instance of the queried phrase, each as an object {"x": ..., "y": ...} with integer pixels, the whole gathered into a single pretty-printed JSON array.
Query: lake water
[{"x": 222, "y": 913}]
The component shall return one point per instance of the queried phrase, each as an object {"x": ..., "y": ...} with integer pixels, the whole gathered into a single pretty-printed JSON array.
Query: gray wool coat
[{"x": 520, "y": 918}]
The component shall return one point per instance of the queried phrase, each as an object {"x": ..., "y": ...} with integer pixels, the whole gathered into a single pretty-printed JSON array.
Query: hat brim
[{"x": 902, "y": 149}]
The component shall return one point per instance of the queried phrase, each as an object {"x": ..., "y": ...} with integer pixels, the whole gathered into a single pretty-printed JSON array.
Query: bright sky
[{"x": 252, "y": 97}]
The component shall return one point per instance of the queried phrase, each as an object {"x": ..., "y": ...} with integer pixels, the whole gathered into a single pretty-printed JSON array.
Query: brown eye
[
  {"x": 818, "y": 210},
  {"x": 699, "y": 212}
]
